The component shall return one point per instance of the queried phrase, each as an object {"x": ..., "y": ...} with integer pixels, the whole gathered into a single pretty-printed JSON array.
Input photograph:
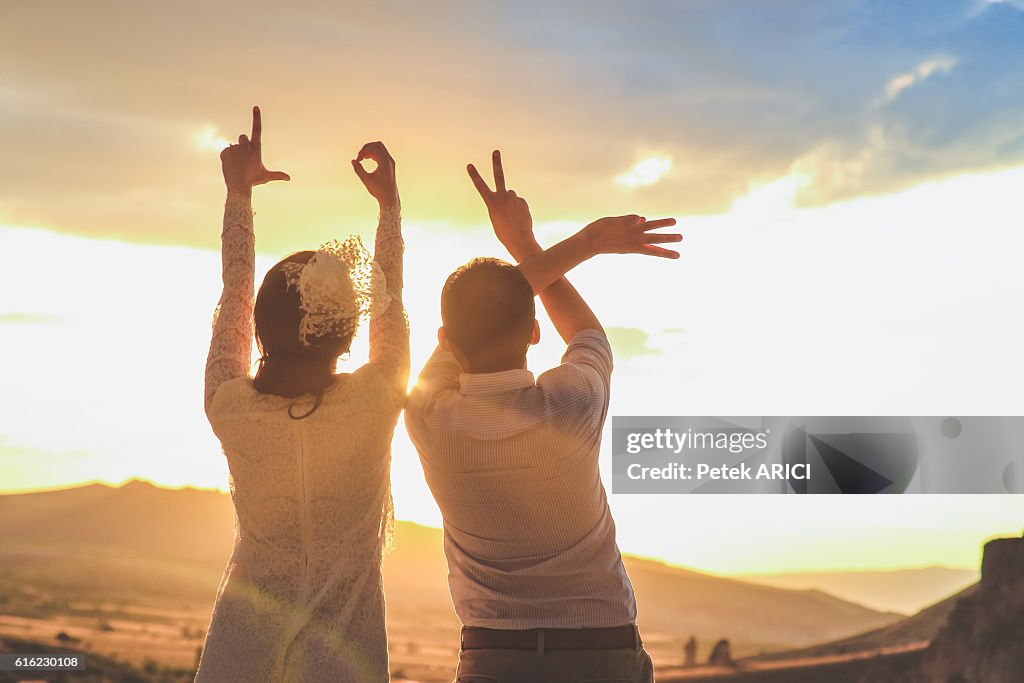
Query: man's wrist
[
  {"x": 585, "y": 245},
  {"x": 523, "y": 249}
]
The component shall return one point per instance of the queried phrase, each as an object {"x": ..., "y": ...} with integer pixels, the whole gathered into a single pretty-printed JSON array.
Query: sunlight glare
[
  {"x": 646, "y": 172},
  {"x": 772, "y": 199},
  {"x": 209, "y": 139}
]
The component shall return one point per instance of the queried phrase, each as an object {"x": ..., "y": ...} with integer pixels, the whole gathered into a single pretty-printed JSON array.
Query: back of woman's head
[{"x": 292, "y": 363}]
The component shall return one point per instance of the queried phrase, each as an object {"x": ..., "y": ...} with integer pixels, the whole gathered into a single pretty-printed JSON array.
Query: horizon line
[{"x": 710, "y": 572}]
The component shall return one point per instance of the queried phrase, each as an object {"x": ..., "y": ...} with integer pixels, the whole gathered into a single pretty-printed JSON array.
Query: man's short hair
[{"x": 488, "y": 313}]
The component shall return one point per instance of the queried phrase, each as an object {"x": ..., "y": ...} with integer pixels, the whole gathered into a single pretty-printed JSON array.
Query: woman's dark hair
[{"x": 289, "y": 367}]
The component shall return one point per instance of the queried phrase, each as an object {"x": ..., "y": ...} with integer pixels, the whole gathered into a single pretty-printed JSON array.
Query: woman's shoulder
[
  {"x": 232, "y": 394},
  {"x": 368, "y": 384},
  {"x": 366, "y": 387}
]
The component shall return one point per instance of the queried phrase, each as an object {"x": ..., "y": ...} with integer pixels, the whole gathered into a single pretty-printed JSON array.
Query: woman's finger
[
  {"x": 257, "y": 126},
  {"x": 243, "y": 140},
  {"x": 365, "y": 152},
  {"x": 360, "y": 171},
  {"x": 276, "y": 175},
  {"x": 374, "y": 150}
]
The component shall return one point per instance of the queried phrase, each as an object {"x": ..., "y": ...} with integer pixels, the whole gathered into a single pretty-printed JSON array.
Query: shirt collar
[{"x": 493, "y": 382}]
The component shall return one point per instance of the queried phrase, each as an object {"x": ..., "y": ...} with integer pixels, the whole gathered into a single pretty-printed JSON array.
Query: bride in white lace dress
[{"x": 308, "y": 449}]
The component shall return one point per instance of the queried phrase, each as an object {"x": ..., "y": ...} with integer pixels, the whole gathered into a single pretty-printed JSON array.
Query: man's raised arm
[{"x": 545, "y": 269}]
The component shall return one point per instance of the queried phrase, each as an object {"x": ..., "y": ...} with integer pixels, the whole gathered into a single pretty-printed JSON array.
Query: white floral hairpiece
[{"x": 340, "y": 284}]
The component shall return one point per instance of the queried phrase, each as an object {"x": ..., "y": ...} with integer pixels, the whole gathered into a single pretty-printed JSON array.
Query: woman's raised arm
[
  {"x": 389, "y": 330},
  {"x": 231, "y": 345}
]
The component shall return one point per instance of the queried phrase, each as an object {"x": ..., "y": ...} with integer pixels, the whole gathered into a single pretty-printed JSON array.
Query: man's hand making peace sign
[
  {"x": 509, "y": 213},
  {"x": 513, "y": 225}
]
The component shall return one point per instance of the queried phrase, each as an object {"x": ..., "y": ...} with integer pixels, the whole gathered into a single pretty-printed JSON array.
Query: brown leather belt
[{"x": 541, "y": 640}]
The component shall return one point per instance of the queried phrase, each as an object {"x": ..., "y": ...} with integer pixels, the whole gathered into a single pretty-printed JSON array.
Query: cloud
[
  {"x": 942, "y": 65},
  {"x": 646, "y": 172},
  {"x": 1019, "y": 4},
  {"x": 632, "y": 342},
  {"x": 733, "y": 93},
  {"x": 17, "y": 318}
]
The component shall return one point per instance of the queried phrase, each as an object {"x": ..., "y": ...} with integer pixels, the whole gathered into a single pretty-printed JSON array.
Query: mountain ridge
[
  {"x": 906, "y": 591},
  {"x": 216, "y": 498},
  {"x": 141, "y": 539}
]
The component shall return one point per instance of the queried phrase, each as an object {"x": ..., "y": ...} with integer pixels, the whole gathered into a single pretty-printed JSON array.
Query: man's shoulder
[
  {"x": 586, "y": 366},
  {"x": 592, "y": 338},
  {"x": 590, "y": 348}
]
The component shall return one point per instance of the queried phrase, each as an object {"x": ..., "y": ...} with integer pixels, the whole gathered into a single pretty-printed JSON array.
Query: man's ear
[
  {"x": 442, "y": 340},
  {"x": 535, "y": 335}
]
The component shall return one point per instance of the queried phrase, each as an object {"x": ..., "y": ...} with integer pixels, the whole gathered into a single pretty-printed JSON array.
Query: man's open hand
[
  {"x": 630, "y": 235},
  {"x": 242, "y": 163}
]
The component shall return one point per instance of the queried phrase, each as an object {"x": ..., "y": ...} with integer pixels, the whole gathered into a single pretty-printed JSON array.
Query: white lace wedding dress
[{"x": 302, "y": 598}]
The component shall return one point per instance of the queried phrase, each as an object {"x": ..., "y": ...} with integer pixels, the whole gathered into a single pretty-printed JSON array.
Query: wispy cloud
[
  {"x": 18, "y": 318},
  {"x": 633, "y": 342},
  {"x": 630, "y": 342},
  {"x": 1018, "y": 4},
  {"x": 646, "y": 172},
  {"x": 941, "y": 64}
]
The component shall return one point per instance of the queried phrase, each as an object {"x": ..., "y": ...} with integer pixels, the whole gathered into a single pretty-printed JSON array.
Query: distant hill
[
  {"x": 919, "y": 628},
  {"x": 907, "y": 591},
  {"x": 182, "y": 524},
  {"x": 146, "y": 540},
  {"x": 674, "y": 600}
]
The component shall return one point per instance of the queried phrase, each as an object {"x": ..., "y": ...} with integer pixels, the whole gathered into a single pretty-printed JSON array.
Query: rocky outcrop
[
  {"x": 983, "y": 640},
  {"x": 721, "y": 654}
]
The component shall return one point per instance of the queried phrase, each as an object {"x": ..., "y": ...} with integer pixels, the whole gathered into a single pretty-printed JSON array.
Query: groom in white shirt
[{"x": 534, "y": 570}]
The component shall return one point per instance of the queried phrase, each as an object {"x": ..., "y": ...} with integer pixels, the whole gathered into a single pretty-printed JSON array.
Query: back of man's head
[{"x": 489, "y": 315}]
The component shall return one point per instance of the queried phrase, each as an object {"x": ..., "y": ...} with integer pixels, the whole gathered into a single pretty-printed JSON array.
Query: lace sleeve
[
  {"x": 389, "y": 330},
  {"x": 231, "y": 346}
]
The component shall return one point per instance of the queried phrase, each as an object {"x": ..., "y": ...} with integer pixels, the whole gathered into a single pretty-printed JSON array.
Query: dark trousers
[{"x": 631, "y": 665}]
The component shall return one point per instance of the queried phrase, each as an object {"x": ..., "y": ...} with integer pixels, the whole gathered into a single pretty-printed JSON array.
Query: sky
[{"x": 847, "y": 176}]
